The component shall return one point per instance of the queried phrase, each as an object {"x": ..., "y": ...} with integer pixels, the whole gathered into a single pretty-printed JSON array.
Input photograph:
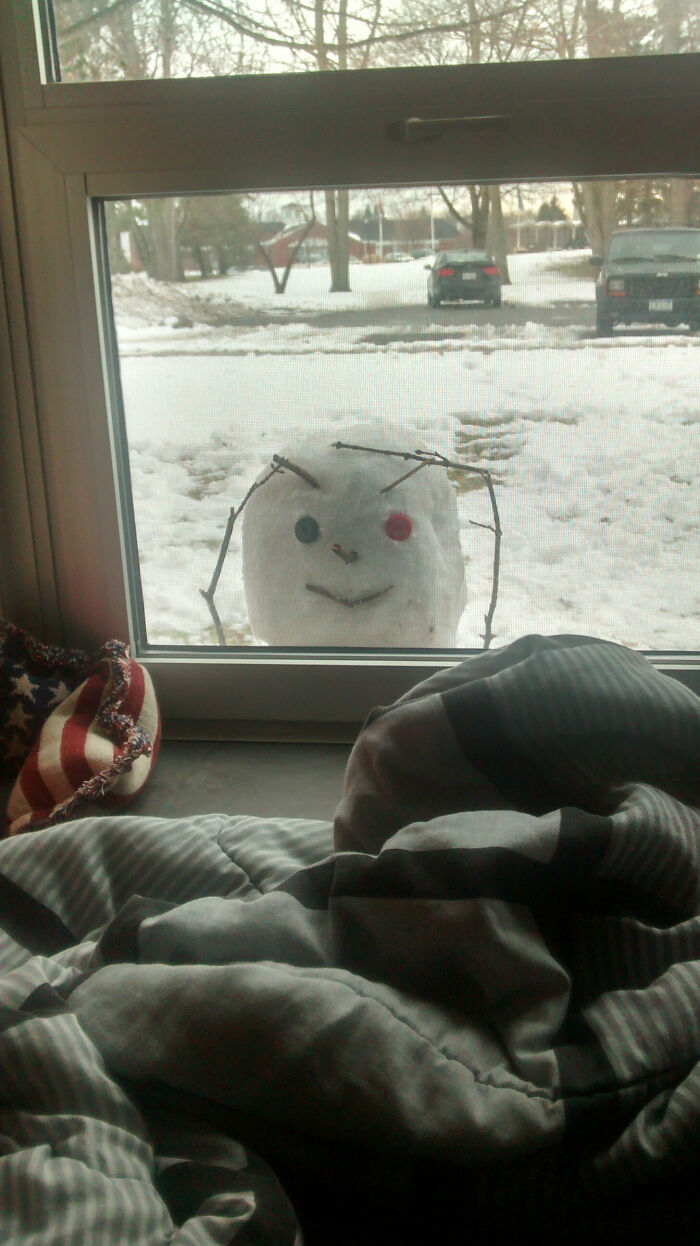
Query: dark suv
[{"x": 649, "y": 276}]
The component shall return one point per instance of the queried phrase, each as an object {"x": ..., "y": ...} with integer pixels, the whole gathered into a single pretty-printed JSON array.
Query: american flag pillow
[{"x": 94, "y": 741}]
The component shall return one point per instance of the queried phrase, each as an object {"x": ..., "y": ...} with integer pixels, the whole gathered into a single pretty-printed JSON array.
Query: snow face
[{"x": 336, "y": 553}]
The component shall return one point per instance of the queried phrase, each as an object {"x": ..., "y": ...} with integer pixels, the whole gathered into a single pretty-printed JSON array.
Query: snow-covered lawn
[{"x": 594, "y": 444}]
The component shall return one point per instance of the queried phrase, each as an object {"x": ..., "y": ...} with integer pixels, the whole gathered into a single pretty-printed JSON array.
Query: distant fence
[{"x": 529, "y": 235}]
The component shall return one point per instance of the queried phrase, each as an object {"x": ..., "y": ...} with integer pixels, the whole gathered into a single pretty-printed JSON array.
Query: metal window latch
[{"x": 427, "y": 129}]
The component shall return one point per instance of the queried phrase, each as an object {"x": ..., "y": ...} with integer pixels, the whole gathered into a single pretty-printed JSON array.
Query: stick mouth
[{"x": 347, "y": 601}]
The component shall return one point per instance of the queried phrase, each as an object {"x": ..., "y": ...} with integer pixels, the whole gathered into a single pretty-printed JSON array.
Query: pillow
[{"x": 78, "y": 728}]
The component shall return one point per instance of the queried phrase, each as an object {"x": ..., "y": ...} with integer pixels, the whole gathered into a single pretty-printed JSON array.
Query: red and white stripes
[{"x": 102, "y": 740}]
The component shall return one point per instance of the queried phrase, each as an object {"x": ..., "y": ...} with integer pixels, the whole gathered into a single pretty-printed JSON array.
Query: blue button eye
[{"x": 306, "y": 529}]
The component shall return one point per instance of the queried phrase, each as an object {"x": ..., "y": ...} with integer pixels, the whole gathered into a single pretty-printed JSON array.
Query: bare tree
[
  {"x": 603, "y": 28},
  {"x": 351, "y": 34},
  {"x": 476, "y": 224},
  {"x": 154, "y": 38},
  {"x": 136, "y": 39},
  {"x": 485, "y": 226},
  {"x": 280, "y": 283}
]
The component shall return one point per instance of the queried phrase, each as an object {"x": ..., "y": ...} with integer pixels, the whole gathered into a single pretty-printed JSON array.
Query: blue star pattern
[{"x": 34, "y": 679}]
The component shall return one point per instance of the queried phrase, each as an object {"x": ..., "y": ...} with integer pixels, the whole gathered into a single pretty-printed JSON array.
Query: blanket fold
[{"x": 489, "y": 965}]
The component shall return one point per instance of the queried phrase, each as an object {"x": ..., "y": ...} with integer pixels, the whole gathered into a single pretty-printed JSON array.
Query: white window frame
[{"x": 62, "y": 566}]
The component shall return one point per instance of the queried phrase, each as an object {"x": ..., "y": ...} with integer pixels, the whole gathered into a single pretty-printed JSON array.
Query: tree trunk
[
  {"x": 680, "y": 194},
  {"x": 598, "y": 203},
  {"x": 280, "y": 283},
  {"x": 165, "y": 262},
  {"x": 670, "y": 18},
  {"x": 597, "y": 29},
  {"x": 481, "y": 204},
  {"x": 337, "y": 212},
  {"x": 279, "y": 288},
  {"x": 201, "y": 260},
  {"x": 167, "y": 36},
  {"x": 337, "y": 201},
  {"x": 497, "y": 234},
  {"x": 118, "y": 262}
]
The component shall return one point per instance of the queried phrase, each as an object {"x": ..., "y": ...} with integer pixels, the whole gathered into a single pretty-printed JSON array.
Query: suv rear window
[{"x": 655, "y": 244}]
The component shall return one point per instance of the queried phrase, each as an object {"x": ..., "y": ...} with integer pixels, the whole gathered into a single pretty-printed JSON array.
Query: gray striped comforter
[{"x": 490, "y": 963}]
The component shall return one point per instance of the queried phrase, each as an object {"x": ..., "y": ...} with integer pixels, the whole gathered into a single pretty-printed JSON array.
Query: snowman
[{"x": 338, "y": 551}]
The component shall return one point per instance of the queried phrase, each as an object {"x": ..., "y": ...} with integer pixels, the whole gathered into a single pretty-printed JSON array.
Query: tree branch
[
  {"x": 101, "y": 15},
  {"x": 208, "y": 593},
  {"x": 280, "y": 283},
  {"x": 400, "y": 33},
  {"x": 453, "y": 211}
]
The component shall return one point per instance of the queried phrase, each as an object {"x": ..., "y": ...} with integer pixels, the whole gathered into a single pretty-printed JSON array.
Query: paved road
[
  {"x": 404, "y": 323},
  {"x": 418, "y": 322},
  {"x": 416, "y": 317},
  {"x": 420, "y": 317}
]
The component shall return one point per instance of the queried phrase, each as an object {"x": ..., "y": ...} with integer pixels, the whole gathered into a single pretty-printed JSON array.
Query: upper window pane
[{"x": 98, "y": 40}]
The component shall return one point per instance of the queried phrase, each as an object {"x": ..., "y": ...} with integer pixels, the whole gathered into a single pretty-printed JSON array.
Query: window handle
[{"x": 427, "y": 129}]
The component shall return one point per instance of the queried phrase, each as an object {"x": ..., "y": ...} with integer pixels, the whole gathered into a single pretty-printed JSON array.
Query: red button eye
[{"x": 398, "y": 527}]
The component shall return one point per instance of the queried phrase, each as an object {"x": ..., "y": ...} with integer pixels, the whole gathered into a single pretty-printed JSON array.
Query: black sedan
[{"x": 464, "y": 276}]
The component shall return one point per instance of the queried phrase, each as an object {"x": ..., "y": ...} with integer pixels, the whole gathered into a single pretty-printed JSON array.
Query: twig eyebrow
[
  {"x": 398, "y": 454},
  {"x": 299, "y": 471},
  {"x": 394, "y": 483}
]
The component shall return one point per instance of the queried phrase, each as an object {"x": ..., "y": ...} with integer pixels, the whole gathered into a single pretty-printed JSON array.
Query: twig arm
[
  {"x": 221, "y": 639},
  {"x": 208, "y": 593}
]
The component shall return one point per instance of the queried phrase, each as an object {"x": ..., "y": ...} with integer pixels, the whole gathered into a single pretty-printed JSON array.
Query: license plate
[
  {"x": 468, "y": 276},
  {"x": 660, "y": 304}
]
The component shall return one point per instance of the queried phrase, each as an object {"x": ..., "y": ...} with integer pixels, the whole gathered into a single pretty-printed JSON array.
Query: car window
[
  {"x": 653, "y": 244},
  {"x": 469, "y": 257}
]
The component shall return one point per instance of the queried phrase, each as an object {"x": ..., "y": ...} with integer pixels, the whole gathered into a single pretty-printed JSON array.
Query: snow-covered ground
[
  {"x": 594, "y": 444},
  {"x": 146, "y": 324}
]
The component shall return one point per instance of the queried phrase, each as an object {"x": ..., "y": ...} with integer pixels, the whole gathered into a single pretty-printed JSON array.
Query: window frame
[{"x": 68, "y": 144}]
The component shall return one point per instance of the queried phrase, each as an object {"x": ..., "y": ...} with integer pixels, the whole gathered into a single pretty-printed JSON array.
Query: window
[
  {"x": 105, "y": 39},
  {"x": 103, "y": 170},
  {"x": 499, "y": 366}
]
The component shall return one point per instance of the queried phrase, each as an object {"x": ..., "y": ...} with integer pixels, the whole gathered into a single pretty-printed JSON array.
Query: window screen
[{"x": 416, "y": 419}]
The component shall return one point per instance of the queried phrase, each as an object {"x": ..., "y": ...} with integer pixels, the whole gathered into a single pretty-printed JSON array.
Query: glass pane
[
  {"x": 520, "y": 364},
  {"x": 95, "y": 40}
]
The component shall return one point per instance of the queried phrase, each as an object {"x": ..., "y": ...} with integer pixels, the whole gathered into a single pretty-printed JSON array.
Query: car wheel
[
  {"x": 603, "y": 324},
  {"x": 434, "y": 301}
]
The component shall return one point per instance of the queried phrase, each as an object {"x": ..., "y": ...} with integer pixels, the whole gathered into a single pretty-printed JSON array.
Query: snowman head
[{"x": 336, "y": 553}]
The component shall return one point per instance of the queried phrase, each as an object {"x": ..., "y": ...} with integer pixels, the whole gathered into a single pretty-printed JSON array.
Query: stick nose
[{"x": 347, "y": 555}]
